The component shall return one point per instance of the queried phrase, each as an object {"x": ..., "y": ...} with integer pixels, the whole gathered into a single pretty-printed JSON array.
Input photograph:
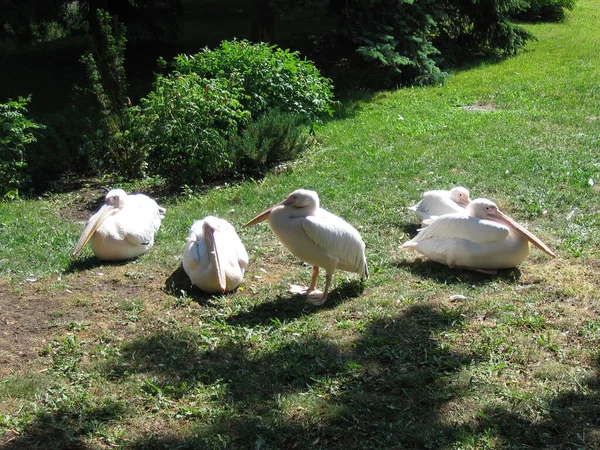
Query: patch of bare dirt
[
  {"x": 32, "y": 315},
  {"x": 27, "y": 323}
]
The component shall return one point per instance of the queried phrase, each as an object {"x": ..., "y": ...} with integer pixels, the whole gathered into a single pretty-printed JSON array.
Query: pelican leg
[
  {"x": 311, "y": 289},
  {"x": 318, "y": 298},
  {"x": 313, "y": 280},
  {"x": 487, "y": 271}
]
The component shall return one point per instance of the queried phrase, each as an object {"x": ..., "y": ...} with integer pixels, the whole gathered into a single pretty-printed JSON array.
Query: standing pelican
[
  {"x": 437, "y": 203},
  {"x": 123, "y": 228},
  {"x": 317, "y": 237},
  {"x": 482, "y": 239},
  {"x": 214, "y": 258}
]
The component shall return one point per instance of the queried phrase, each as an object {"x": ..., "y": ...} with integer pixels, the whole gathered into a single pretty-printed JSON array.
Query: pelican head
[
  {"x": 113, "y": 203},
  {"x": 483, "y": 208},
  {"x": 460, "y": 195},
  {"x": 210, "y": 227},
  {"x": 301, "y": 199}
]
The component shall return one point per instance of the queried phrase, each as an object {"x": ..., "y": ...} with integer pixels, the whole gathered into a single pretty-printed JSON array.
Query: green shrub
[
  {"x": 108, "y": 143},
  {"x": 15, "y": 135},
  {"x": 183, "y": 126},
  {"x": 544, "y": 10},
  {"x": 268, "y": 77},
  {"x": 273, "y": 138},
  {"x": 470, "y": 30},
  {"x": 58, "y": 150},
  {"x": 235, "y": 110}
]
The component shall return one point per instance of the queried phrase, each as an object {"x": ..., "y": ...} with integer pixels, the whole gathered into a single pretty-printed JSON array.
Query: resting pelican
[
  {"x": 317, "y": 237},
  {"x": 482, "y": 239},
  {"x": 123, "y": 228},
  {"x": 214, "y": 258},
  {"x": 437, "y": 203}
]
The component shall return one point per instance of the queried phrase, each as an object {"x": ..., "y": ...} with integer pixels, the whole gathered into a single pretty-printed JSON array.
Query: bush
[
  {"x": 239, "y": 109},
  {"x": 273, "y": 138},
  {"x": 544, "y": 10},
  {"x": 108, "y": 143},
  {"x": 15, "y": 135},
  {"x": 267, "y": 77},
  {"x": 471, "y": 30},
  {"x": 386, "y": 43},
  {"x": 58, "y": 150},
  {"x": 183, "y": 126}
]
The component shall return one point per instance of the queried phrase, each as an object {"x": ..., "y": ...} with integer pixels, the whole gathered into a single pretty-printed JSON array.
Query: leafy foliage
[
  {"x": 15, "y": 134},
  {"x": 241, "y": 108},
  {"x": 273, "y": 138},
  {"x": 384, "y": 43},
  {"x": 183, "y": 124},
  {"x": 267, "y": 76},
  {"x": 544, "y": 10},
  {"x": 469, "y": 29},
  {"x": 109, "y": 146}
]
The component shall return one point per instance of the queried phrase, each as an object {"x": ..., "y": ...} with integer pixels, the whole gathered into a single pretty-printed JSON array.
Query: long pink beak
[
  {"x": 210, "y": 232},
  {"x": 265, "y": 214},
  {"x": 91, "y": 227},
  {"x": 524, "y": 233}
]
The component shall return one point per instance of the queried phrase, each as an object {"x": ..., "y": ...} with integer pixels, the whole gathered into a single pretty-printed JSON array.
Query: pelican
[
  {"x": 123, "y": 228},
  {"x": 439, "y": 202},
  {"x": 317, "y": 237},
  {"x": 214, "y": 258},
  {"x": 482, "y": 239}
]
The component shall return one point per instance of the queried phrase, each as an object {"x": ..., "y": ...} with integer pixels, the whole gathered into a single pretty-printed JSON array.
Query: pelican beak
[
  {"x": 91, "y": 228},
  {"x": 265, "y": 214},
  {"x": 525, "y": 234},
  {"x": 214, "y": 252},
  {"x": 464, "y": 202}
]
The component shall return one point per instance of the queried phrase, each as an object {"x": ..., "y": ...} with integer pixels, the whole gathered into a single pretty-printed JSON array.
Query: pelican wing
[
  {"x": 336, "y": 237},
  {"x": 231, "y": 236},
  {"x": 140, "y": 219},
  {"x": 462, "y": 226},
  {"x": 435, "y": 203}
]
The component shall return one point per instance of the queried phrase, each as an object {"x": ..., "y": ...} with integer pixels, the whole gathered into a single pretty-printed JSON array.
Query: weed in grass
[{"x": 132, "y": 309}]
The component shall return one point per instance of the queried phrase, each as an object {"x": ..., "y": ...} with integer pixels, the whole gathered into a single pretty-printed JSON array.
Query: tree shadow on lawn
[
  {"x": 384, "y": 391},
  {"x": 573, "y": 421},
  {"x": 426, "y": 268},
  {"x": 179, "y": 286},
  {"x": 286, "y": 307},
  {"x": 91, "y": 262},
  {"x": 395, "y": 386},
  {"x": 65, "y": 427}
]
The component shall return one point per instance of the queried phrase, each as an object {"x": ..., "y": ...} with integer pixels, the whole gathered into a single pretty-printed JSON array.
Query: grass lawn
[{"x": 129, "y": 355}]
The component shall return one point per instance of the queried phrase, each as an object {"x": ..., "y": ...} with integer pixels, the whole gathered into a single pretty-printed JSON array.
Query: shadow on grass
[
  {"x": 572, "y": 422},
  {"x": 384, "y": 391},
  {"x": 179, "y": 285},
  {"x": 395, "y": 386},
  {"x": 426, "y": 268},
  {"x": 91, "y": 262},
  {"x": 287, "y": 307},
  {"x": 66, "y": 426}
]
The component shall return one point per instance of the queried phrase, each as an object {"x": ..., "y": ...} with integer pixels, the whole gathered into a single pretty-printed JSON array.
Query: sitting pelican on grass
[
  {"x": 317, "y": 237},
  {"x": 437, "y": 203},
  {"x": 214, "y": 258},
  {"x": 123, "y": 228},
  {"x": 482, "y": 239}
]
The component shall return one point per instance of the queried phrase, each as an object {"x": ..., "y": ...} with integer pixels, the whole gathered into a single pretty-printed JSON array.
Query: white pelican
[
  {"x": 438, "y": 202},
  {"x": 317, "y": 237},
  {"x": 214, "y": 258},
  {"x": 482, "y": 239},
  {"x": 123, "y": 228}
]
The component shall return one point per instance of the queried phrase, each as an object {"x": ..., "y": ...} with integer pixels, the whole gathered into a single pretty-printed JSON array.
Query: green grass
[{"x": 139, "y": 359}]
